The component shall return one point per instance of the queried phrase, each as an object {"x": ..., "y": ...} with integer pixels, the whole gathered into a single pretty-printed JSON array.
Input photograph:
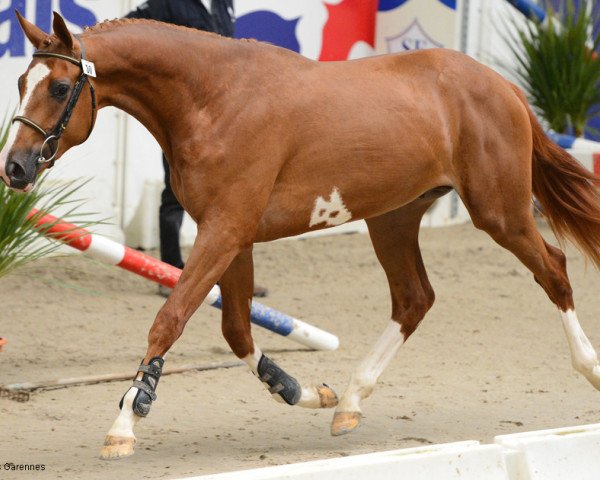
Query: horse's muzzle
[{"x": 20, "y": 171}]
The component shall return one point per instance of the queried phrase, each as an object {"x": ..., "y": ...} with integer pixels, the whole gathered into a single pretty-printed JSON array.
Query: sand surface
[{"x": 490, "y": 358}]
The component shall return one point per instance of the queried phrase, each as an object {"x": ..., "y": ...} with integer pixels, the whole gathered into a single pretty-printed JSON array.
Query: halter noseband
[{"x": 87, "y": 70}]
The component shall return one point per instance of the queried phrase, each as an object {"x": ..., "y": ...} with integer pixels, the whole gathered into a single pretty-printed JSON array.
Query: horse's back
[{"x": 385, "y": 130}]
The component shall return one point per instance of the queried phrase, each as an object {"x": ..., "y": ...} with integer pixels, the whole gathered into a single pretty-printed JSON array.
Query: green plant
[
  {"x": 4, "y": 128},
  {"x": 557, "y": 66},
  {"x": 20, "y": 240}
]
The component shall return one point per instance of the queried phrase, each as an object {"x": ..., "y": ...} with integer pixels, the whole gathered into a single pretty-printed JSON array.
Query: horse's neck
[{"x": 157, "y": 85}]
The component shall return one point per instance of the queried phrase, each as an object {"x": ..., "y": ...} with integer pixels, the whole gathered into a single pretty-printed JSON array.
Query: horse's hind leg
[
  {"x": 395, "y": 239},
  {"x": 237, "y": 287},
  {"x": 509, "y": 221}
]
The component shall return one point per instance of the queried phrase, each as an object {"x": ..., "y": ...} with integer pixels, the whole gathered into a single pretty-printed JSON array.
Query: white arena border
[{"x": 571, "y": 453}]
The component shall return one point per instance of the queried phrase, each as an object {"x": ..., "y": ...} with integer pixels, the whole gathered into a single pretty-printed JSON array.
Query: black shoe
[{"x": 260, "y": 292}]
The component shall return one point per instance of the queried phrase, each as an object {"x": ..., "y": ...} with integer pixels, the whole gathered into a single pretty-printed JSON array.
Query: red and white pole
[{"x": 109, "y": 251}]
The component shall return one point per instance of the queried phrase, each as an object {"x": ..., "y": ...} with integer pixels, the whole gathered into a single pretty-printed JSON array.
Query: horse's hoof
[
  {"x": 344, "y": 422},
  {"x": 327, "y": 396},
  {"x": 117, "y": 447}
]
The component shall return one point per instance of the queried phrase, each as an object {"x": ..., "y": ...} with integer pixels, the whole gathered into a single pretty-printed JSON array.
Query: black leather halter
[{"x": 53, "y": 136}]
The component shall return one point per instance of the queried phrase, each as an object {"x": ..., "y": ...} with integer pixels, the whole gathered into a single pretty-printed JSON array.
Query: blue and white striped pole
[{"x": 282, "y": 324}]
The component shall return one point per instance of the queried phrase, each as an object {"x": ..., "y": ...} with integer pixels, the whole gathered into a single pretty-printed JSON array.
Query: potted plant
[
  {"x": 557, "y": 66},
  {"x": 20, "y": 237}
]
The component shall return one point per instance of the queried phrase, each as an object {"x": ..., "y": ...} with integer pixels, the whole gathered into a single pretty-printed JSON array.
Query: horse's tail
[{"x": 568, "y": 192}]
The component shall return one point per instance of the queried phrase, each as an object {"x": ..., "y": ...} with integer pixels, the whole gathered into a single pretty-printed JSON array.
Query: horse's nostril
[
  {"x": 9, "y": 168},
  {"x": 15, "y": 171}
]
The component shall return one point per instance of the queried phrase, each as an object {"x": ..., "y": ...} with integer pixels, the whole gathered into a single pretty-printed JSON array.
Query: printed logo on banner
[
  {"x": 350, "y": 30},
  {"x": 269, "y": 27},
  {"x": 318, "y": 29},
  {"x": 12, "y": 39},
  {"x": 297, "y": 26},
  {"x": 413, "y": 38}
]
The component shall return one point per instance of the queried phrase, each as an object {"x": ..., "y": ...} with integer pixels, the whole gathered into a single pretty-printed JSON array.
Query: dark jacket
[{"x": 190, "y": 13}]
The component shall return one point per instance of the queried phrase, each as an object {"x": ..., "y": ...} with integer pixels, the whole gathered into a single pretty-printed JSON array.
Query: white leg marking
[
  {"x": 365, "y": 377},
  {"x": 123, "y": 426},
  {"x": 34, "y": 77},
  {"x": 310, "y": 398},
  {"x": 583, "y": 355},
  {"x": 252, "y": 361},
  {"x": 331, "y": 212}
]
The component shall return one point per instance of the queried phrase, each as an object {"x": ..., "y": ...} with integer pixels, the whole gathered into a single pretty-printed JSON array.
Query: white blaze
[{"x": 34, "y": 77}]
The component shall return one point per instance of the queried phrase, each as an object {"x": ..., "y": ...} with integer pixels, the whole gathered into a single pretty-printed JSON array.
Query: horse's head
[{"x": 52, "y": 96}]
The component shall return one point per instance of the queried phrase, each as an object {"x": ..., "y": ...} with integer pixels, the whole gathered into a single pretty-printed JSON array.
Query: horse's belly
[{"x": 304, "y": 200}]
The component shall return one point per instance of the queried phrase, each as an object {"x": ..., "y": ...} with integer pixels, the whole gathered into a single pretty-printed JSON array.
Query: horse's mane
[{"x": 108, "y": 25}]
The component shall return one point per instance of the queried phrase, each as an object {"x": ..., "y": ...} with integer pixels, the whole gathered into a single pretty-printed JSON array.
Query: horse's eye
[{"x": 59, "y": 90}]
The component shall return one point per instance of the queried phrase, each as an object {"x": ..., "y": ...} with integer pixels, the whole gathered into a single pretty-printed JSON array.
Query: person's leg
[{"x": 170, "y": 220}]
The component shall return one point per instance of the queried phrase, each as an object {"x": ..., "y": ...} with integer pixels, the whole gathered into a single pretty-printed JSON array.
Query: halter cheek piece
[{"x": 53, "y": 136}]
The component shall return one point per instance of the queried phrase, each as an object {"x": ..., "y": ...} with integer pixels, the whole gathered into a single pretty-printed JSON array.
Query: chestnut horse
[{"x": 263, "y": 144}]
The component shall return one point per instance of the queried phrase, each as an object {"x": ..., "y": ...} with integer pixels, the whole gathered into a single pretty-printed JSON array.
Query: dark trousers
[{"x": 170, "y": 216}]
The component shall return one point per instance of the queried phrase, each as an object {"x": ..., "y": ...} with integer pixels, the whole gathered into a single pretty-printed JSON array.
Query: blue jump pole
[{"x": 530, "y": 9}]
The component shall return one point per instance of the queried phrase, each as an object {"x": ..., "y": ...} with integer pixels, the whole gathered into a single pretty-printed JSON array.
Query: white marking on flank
[
  {"x": 331, "y": 212},
  {"x": 365, "y": 377},
  {"x": 583, "y": 355},
  {"x": 33, "y": 79}
]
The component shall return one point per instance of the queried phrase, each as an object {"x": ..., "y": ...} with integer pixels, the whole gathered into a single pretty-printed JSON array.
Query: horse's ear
[
  {"x": 62, "y": 32},
  {"x": 35, "y": 35}
]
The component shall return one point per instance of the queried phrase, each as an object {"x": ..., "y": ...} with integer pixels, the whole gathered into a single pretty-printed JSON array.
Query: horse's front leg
[
  {"x": 211, "y": 254},
  {"x": 237, "y": 287}
]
